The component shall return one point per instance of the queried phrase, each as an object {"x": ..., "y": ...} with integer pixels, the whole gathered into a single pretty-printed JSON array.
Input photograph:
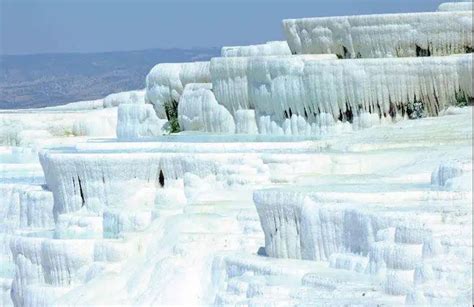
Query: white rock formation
[
  {"x": 76, "y": 185},
  {"x": 79, "y": 105},
  {"x": 455, "y": 6},
  {"x": 229, "y": 79},
  {"x": 373, "y": 36},
  {"x": 269, "y": 48},
  {"x": 305, "y": 96},
  {"x": 453, "y": 175},
  {"x": 245, "y": 122},
  {"x": 165, "y": 82},
  {"x": 276, "y": 198},
  {"x": 114, "y": 100},
  {"x": 142, "y": 210},
  {"x": 94, "y": 126},
  {"x": 229, "y": 82},
  {"x": 110, "y": 101},
  {"x": 383, "y": 223},
  {"x": 135, "y": 121},
  {"x": 281, "y": 88},
  {"x": 39, "y": 127},
  {"x": 198, "y": 110}
]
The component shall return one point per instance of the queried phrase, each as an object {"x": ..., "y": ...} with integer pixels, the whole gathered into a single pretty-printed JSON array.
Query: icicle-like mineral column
[
  {"x": 229, "y": 79},
  {"x": 390, "y": 35},
  {"x": 323, "y": 92},
  {"x": 229, "y": 82},
  {"x": 344, "y": 89}
]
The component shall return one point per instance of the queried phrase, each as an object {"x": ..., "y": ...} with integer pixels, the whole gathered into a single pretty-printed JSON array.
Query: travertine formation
[
  {"x": 379, "y": 36},
  {"x": 269, "y": 48},
  {"x": 455, "y": 6},
  {"x": 297, "y": 178}
]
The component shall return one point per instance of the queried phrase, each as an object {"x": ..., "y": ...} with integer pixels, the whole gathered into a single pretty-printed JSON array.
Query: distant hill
[{"x": 33, "y": 81}]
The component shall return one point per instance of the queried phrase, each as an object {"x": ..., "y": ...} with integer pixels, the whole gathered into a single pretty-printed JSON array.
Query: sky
[{"x": 55, "y": 26}]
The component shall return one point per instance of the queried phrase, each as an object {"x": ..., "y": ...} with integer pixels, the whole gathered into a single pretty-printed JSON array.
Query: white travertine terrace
[
  {"x": 374, "y": 36},
  {"x": 229, "y": 79},
  {"x": 381, "y": 86},
  {"x": 407, "y": 228},
  {"x": 455, "y": 6},
  {"x": 269, "y": 48},
  {"x": 73, "y": 172},
  {"x": 296, "y": 180},
  {"x": 229, "y": 82},
  {"x": 302, "y": 95},
  {"x": 377, "y": 210},
  {"x": 138, "y": 120},
  {"x": 38, "y": 128}
]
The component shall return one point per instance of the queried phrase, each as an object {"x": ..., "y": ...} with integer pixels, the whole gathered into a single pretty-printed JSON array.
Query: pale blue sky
[{"x": 40, "y": 26}]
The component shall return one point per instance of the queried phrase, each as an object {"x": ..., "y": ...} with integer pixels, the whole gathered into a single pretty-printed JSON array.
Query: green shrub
[{"x": 171, "y": 110}]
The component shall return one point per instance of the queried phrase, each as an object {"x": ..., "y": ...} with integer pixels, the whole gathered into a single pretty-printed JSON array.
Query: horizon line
[{"x": 108, "y": 51}]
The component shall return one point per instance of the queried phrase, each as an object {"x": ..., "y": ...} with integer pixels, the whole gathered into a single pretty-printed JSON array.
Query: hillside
[{"x": 41, "y": 80}]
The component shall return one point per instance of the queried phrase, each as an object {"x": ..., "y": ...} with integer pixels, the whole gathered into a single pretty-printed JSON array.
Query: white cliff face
[
  {"x": 138, "y": 120},
  {"x": 313, "y": 96},
  {"x": 245, "y": 122},
  {"x": 374, "y": 36},
  {"x": 230, "y": 79},
  {"x": 269, "y": 48},
  {"x": 165, "y": 82},
  {"x": 345, "y": 90},
  {"x": 26, "y": 206},
  {"x": 198, "y": 110},
  {"x": 77, "y": 186},
  {"x": 455, "y": 6},
  {"x": 229, "y": 82},
  {"x": 114, "y": 100}
]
